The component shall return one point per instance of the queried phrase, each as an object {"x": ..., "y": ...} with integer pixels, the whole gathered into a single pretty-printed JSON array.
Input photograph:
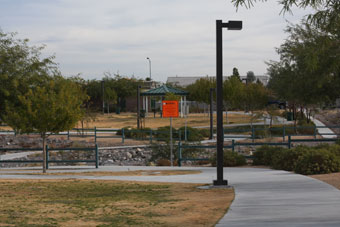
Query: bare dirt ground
[{"x": 332, "y": 179}]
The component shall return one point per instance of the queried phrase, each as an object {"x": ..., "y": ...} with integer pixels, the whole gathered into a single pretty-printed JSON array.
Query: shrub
[
  {"x": 127, "y": 132},
  {"x": 135, "y": 133},
  {"x": 205, "y": 132},
  {"x": 163, "y": 133},
  {"x": 317, "y": 162},
  {"x": 142, "y": 133},
  {"x": 335, "y": 149},
  {"x": 259, "y": 134},
  {"x": 263, "y": 155},
  {"x": 193, "y": 134},
  {"x": 285, "y": 159},
  {"x": 304, "y": 160},
  {"x": 278, "y": 130},
  {"x": 230, "y": 158},
  {"x": 305, "y": 128},
  {"x": 337, "y": 142}
]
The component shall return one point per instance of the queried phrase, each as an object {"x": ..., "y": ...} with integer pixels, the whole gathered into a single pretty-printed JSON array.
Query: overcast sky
[{"x": 95, "y": 36}]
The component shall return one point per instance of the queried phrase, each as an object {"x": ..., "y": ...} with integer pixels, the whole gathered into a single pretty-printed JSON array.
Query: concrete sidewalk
[
  {"x": 18, "y": 155},
  {"x": 278, "y": 198},
  {"x": 324, "y": 132},
  {"x": 263, "y": 197}
]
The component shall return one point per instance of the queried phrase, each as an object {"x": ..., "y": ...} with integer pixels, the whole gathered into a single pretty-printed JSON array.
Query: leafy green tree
[
  {"x": 255, "y": 98},
  {"x": 116, "y": 90},
  {"x": 326, "y": 14},
  {"x": 172, "y": 97},
  {"x": 233, "y": 92},
  {"x": 250, "y": 97},
  {"x": 34, "y": 97},
  {"x": 20, "y": 66},
  {"x": 94, "y": 91},
  {"x": 123, "y": 86},
  {"x": 51, "y": 107},
  {"x": 308, "y": 72},
  {"x": 89, "y": 115},
  {"x": 200, "y": 90},
  {"x": 236, "y": 73},
  {"x": 110, "y": 97},
  {"x": 273, "y": 112},
  {"x": 284, "y": 84},
  {"x": 251, "y": 77}
]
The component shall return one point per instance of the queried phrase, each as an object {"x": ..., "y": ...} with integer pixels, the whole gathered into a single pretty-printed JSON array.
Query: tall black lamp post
[
  {"x": 231, "y": 25},
  {"x": 149, "y": 66}
]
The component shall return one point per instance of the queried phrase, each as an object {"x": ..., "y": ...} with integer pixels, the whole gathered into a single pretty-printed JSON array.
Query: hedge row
[
  {"x": 230, "y": 159},
  {"x": 261, "y": 131},
  {"x": 163, "y": 133},
  {"x": 303, "y": 160}
]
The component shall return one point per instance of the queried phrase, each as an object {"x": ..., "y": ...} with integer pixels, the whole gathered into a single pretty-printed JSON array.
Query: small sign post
[{"x": 170, "y": 109}]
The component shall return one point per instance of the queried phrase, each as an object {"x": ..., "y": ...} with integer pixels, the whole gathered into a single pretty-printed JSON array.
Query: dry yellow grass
[
  {"x": 109, "y": 203},
  {"x": 119, "y": 173},
  {"x": 129, "y": 119}
]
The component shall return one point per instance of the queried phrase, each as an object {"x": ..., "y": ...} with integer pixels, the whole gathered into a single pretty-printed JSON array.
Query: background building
[{"x": 184, "y": 81}]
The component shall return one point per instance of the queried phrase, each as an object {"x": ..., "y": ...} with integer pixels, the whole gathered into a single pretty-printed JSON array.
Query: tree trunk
[
  {"x": 309, "y": 115},
  {"x": 271, "y": 121},
  {"x": 82, "y": 128},
  {"x": 44, "y": 152},
  {"x": 294, "y": 117},
  {"x": 301, "y": 112}
]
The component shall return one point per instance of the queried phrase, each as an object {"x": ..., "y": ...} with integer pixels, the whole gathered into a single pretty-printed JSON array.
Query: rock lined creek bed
[
  {"x": 109, "y": 153},
  {"x": 116, "y": 155},
  {"x": 128, "y": 155}
]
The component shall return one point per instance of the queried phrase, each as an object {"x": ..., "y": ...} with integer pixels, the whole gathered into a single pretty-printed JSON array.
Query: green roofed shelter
[{"x": 161, "y": 92}]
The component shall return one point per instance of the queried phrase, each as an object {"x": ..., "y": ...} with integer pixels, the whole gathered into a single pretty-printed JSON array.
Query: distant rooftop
[
  {"x": 163, "y": 90},
  {"x": 184, "y": 81}
]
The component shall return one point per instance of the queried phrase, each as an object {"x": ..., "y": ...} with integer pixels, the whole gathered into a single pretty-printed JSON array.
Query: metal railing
[
  {"x": 48, "y": 160},
  {"x": 241, "y": 132},
  {"x": 234, "y": 144}
]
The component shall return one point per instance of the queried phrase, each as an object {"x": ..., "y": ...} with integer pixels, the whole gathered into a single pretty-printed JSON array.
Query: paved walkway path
[
  {"x": 324, "y": 132},
  {"x": 264, "y": 197},
  {"x": 17, "y": 155}
]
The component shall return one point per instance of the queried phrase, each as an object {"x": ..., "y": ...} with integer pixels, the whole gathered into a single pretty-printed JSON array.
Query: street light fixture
[
  {"x": 231, "y": 25},
  {"x": 149, "y": 66}
]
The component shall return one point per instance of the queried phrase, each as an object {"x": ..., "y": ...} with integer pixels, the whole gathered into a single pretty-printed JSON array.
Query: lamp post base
[{"x": 218, "y": 182}]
